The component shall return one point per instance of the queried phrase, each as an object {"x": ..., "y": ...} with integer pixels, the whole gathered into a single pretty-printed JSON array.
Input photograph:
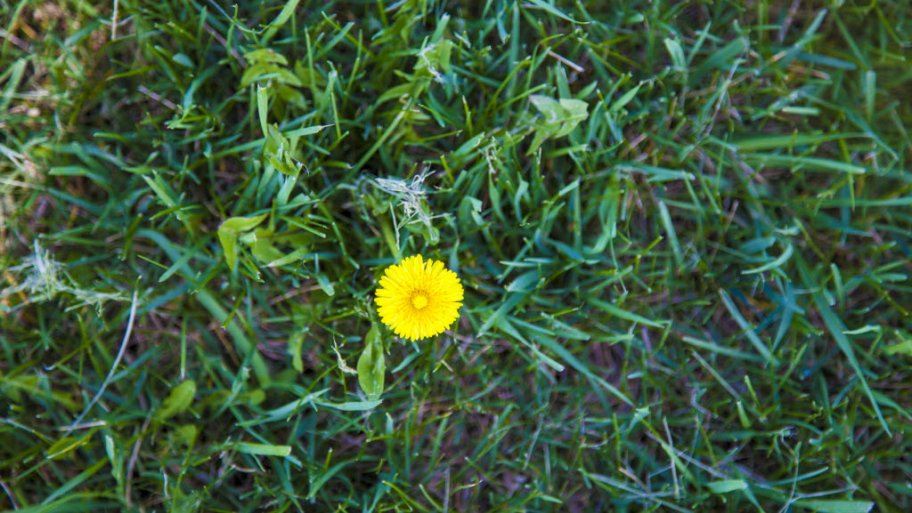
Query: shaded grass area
[{"x": 683, "y": 229}]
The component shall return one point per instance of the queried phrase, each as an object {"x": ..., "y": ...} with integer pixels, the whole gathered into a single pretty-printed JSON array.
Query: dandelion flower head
[{"x": 418, "y": 298}]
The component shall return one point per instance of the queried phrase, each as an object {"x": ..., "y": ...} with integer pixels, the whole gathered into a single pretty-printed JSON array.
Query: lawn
[{"x": 682, "y": 229}]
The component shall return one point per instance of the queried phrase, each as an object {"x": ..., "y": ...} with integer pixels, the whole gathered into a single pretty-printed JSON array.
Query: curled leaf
[
  {"x": 180, "y": 398},
  {"x": 231, "y": 230},
  {"x": 371, "y": 364}
]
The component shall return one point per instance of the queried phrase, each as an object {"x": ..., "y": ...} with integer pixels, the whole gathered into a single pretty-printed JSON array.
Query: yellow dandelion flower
[{"x": 418, "y": 298}]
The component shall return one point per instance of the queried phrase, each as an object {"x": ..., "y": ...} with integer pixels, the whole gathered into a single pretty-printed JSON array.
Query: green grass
[{"x": 684, "y": 230}]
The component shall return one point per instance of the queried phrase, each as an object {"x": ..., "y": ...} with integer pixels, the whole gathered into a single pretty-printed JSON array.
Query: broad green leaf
[
  {"x": 307, "y": 130},
  {"x": 263, "y": 449},
  {"x": 576, "y": 111},
  {"x": 115, "y": 458},
  {"x": 371, "y": 364},
  {"x": 676, "y": 53},
  {"x": 294, "y": 256},
  {"x": 269, "y": 72},
  {"x": 265, "y": 55},
  {"x": 264, "y": 251},
  {"x": 904, "y": 347},
  {"x": 186, "y": 434},
  {"x": 262, "y": 96},
  {"x": 178, "y": 400},
  {"x": 550, "y": 108},
  {"x": 230, "y": 230},
  {"x": 726, "y": 485},
  {"x": 834, "y": 506},
  {"x": 559, "y": 117},
  {"x": 253, "y": 397},
  {"x": 278, "y": 151},
  {"x": 262, "y": 248},
  {"x": 295, "y": 343},
  {"x": 325, "y": 284},
  {"x": 352, "y": 405},
  {"x": 241, "y": 224}
]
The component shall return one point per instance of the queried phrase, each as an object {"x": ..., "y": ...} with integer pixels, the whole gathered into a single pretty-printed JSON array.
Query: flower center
[{"x": 419, "y": 301}]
